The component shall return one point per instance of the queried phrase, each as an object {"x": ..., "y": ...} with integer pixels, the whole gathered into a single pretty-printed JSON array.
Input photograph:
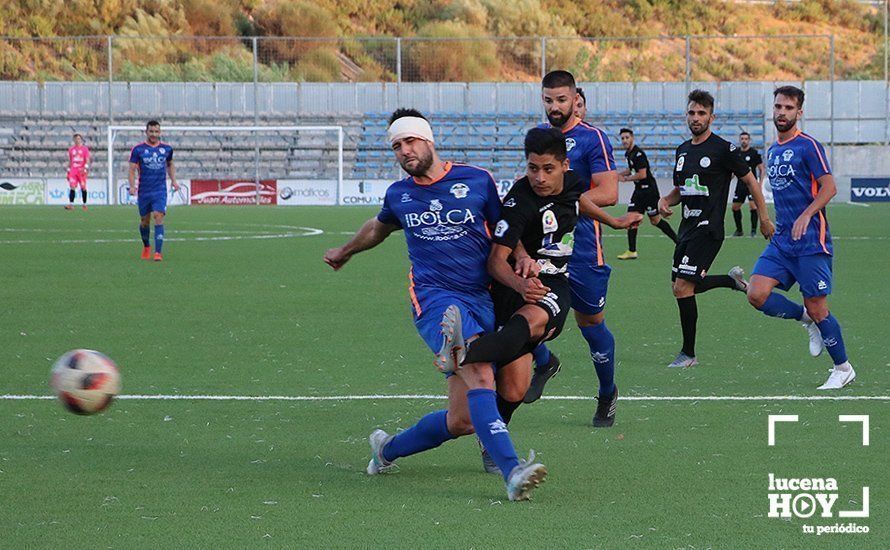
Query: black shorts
[
  {"x": 741, "y": 192},
  {"x": 557, "y": 304},
  {"x": 693, "y": 257},
  {"x": 644, "y": 200}
]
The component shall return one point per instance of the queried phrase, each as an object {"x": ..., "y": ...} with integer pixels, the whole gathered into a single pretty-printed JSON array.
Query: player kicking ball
[
  {"x": 447, "y": 212},
  {"x": 801, "y": 250},
  {"x": 152, "y": 160}
]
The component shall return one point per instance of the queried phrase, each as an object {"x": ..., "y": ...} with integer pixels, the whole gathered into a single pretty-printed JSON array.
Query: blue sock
[
  {"x": 144, "y": 232},
  {"x": 834, "y": 342},
  {"x": 602, "y": 351},
  {"x": 429, "y": 432},
  {"x": 541, "y": 355},
  {"x": 491, "y": 430},
  {"x": 159, "y": 238},
  {"x": 777, "y": 305}
]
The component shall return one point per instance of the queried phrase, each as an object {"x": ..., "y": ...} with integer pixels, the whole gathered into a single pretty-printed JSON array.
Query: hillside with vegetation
[{"x": 443, "y": 40}]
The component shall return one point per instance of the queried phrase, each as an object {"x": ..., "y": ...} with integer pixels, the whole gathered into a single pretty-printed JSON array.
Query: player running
[
  {"x": 705, "y": 165},
  {"x": 742, "y": 194},
  {"x": 801, "y": 250},
  {"x": 153, "y": 160},
  {"x": 447, "y": 211},
  {"x": 590, "y": 156},
  {"x": 645, "y": 196},
  {"x": 78, "y": 169}
]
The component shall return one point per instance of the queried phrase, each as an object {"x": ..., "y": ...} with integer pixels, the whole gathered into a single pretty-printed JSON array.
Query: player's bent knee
[
  {"x": 477, "y": 375},
  {"x": 817, "y": 309},
  {"x": 585, "y": 320},
  {"x": 537, "y": 320},
  {"x": 459, "y": 424}
]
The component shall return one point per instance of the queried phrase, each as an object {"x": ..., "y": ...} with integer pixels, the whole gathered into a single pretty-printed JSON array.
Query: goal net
[{"x": 239, "y": 164}]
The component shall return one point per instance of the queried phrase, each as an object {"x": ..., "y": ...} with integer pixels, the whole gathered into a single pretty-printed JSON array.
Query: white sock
[{"x": 844, "y": 367}]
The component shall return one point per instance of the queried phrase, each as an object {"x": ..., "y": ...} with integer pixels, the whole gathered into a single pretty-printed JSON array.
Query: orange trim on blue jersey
[
  {"x": 571, "y": 127},
  {"x": 599, "y": 134},
  {"x": 816, "y": 147},
  {"x": 599, "y": 243},
  {"x": 822, "y": 225},
  {"x": 414, "y": 302},
  {"x": 780, "y": 142},
  {"x": 448, "y": 166}
]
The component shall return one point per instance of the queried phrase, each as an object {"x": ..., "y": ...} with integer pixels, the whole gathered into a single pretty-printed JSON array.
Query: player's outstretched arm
[
  {"x": 531, "y": 289},
  {"x": 827, "y": 190},
  {"x": 372, "y": 233},
  {"x": 134, "y": 188},
  {"x": 766, "y": 225},
  {"x": 588, "y": 207}
]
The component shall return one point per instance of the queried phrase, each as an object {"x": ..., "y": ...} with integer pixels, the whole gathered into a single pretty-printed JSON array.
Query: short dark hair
[
  {"x": 625, "y": 131},
  {"x": 744, "y": 134},
  {"x": 703, "y": 98},
  {"x": 790, "y": 91},
  {"x": 580, "y": 91},
  {"x": 402, "y": 113},
  {"x": 77, "y": 135},
  {"x": 152, "y": 123},
  {"x": 545, "y": 141},
  {"x": 558, "y": 79}
]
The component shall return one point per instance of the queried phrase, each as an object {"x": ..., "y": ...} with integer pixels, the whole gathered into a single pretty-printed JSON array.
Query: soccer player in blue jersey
[
  {"x": 153, "y": 161},
  {"x": 590, "y": 156},
  {"x": 801, "y": 250},
  {"x": 447, "y": 211}
]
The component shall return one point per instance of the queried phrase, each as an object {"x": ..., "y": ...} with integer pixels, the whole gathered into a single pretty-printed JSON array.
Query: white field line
[{"x": 375, "y": 397}]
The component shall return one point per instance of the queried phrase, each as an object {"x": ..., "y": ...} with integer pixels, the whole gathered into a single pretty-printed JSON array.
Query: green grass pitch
[{"x": 244, "y": 306}]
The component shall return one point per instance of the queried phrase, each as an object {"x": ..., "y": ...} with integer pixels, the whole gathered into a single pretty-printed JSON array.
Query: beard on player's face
[
  {"x": 783, "y": 124},
  {"x": 418, "y": 161},
  {"x": 698, "y": 127},
  {"x": 557, "y": 117}
]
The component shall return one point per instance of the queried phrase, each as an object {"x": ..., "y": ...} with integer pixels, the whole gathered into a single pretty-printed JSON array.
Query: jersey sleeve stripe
[
  {"x": 599, "y": 134},
  {"x": 818, "y": 151}
]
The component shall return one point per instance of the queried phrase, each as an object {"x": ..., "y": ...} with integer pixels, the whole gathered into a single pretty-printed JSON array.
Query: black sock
[
  {"x": 688, "y": 318},
  {"x": 71, "y": 195},
  {"x": 83, "y": 194},
  {"x": 632, "y": 239},
  {"x": 737, "y": 216},
  {"x": 753, "y": 221},
  {"x": 507, "y": 408},
  {"x": 503, "y": 346},
  {"x": 667, "y": 230},
  {"x": 715, "y": 281}
]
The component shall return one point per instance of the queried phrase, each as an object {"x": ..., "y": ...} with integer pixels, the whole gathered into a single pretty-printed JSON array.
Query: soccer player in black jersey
[
  {"x": 742, "y": 194},
  {"x": 645, "y": 197},
  {"x": 704, "y": 168}
]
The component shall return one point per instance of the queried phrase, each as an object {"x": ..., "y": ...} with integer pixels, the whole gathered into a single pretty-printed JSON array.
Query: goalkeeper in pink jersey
[{"x": 78, "y": 166}]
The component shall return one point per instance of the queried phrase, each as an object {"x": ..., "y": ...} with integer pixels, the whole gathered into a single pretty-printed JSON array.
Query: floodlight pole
[{"x": 256, "y": 121}]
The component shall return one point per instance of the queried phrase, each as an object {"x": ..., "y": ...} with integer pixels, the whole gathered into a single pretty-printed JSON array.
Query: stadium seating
[{"x": 36, "y": 146}]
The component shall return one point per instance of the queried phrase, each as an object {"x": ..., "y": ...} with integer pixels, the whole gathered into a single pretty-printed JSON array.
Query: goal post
[{"x": 278, "y": 152}]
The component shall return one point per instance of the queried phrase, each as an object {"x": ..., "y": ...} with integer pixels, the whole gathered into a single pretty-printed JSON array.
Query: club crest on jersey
[
  {"x": 435, "y": 205},
  {"x": 161, "y": 150},
  {"x": 570, "y": 144},
  {"x": 549, "y": 222},
  {"x": 787, "y": 155},
  {"x": 459, "y": 190},
  {"x": 748, "y": 158},
  {"x": 704, "y": 162}
]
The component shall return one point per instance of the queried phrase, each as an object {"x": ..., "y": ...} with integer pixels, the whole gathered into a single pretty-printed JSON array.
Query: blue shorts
[
  {"x": 152, "y": 202},
  {"x": 429, "y": 305},
  {"x": 812, "y": 272},
  {"x": 589, "y": 286}
]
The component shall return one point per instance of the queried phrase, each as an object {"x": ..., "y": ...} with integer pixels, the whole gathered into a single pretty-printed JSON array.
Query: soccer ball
[{"x": 85, "y": 380}]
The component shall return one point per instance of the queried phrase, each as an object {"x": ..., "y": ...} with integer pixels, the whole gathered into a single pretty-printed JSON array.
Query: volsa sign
[{"x": 870, "y": 189}]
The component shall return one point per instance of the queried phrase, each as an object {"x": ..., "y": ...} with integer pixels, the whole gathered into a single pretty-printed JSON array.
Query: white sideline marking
[
  {"x": 236, "y": 235},
  {"x": 374, "y": 397}
]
